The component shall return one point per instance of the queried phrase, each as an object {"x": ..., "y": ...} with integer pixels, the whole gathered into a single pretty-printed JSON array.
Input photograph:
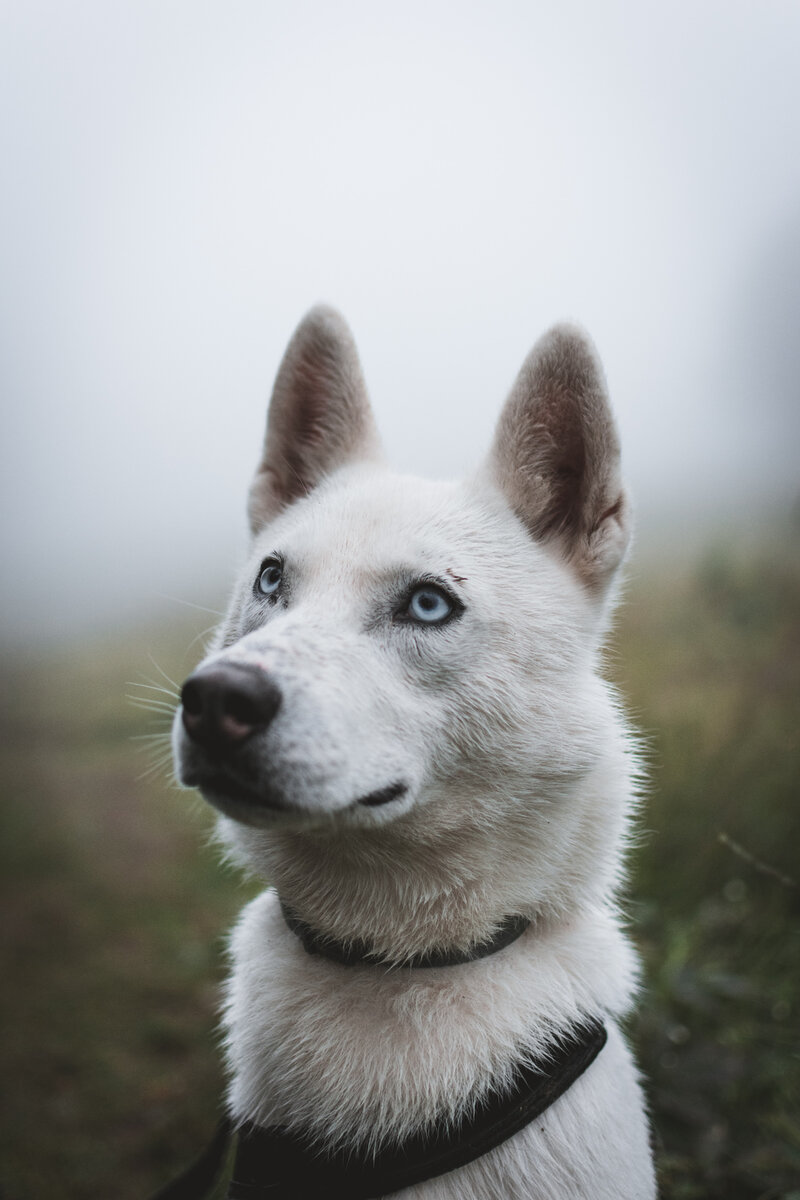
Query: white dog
[{"x": 403, "y": 726}]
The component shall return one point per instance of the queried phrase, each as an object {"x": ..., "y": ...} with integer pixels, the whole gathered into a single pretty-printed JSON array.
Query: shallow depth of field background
[{"x": 181, "y": 181}]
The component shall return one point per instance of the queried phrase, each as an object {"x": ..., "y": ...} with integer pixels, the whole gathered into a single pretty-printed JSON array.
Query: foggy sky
[{"x": 182, "y": 180}]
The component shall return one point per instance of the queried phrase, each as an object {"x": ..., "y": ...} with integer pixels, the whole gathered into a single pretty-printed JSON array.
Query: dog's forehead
[{"x": 372, "y": 518}]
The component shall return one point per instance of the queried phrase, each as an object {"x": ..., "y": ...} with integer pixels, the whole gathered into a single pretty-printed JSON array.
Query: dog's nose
[{"x": 227, "y": 702}]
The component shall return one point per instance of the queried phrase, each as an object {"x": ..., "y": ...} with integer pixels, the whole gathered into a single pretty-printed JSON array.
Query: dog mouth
[
  {"x": 383, "y": 796},
  {"x": 244, "y": 800},
  {"x": 219, "y": 787}
]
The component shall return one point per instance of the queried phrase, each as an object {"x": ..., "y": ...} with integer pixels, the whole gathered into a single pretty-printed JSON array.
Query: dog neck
[
  {"x": 355, "y": 952},
  {"x": 446, "y": 874},
  {"x": 400, "y": 907}
]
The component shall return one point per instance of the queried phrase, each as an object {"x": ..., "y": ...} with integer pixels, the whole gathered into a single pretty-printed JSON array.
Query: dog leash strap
[
  {"x": 198, "y": 1181},
  {"x": 357, "y": 952},
  {"x": 276, "y": 1164}
]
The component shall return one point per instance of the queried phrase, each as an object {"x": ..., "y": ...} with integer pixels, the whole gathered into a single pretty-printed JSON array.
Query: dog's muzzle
[{"x": 225, "y": 707}]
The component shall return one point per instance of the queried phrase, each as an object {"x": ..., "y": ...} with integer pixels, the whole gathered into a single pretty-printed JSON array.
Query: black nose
[{"x": 225, "y": 703}]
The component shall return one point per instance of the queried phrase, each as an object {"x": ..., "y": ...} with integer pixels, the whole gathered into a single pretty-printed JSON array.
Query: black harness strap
[
  {"x": 275, "y": 1164},
  {"x": 197, "y": 1181}
]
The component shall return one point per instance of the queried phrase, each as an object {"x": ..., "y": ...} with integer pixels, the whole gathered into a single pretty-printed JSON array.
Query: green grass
[
  {"x": 710, "y": 661},
  {"x": 115, "y": 907}
]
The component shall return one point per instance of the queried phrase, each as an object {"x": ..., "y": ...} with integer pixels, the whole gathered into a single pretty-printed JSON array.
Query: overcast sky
[{"x": 182, "y": 179}]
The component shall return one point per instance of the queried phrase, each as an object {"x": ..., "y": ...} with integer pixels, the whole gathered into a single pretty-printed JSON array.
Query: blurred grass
[
  {"x": 115, "y": 908},
  {"x": 710, "y": 663}
]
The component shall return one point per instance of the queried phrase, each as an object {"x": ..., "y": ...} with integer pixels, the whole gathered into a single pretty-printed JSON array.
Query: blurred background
[{"x": 181, "y": 181}]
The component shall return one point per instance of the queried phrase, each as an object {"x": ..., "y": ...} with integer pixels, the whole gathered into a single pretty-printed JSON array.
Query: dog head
[{"x": 395, "y": 645}]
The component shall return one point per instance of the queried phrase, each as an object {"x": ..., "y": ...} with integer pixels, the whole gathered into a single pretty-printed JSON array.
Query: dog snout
[{"x": 226, "y": 703}]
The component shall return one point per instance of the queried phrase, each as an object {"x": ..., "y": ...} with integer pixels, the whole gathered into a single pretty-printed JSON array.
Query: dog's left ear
[
  {"x": 319, "y": 416},
  {"x": 556, "y": 456}
]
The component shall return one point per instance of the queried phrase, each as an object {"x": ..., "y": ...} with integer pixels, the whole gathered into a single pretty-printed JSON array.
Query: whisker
[
  {"x": 155, "y": 768},
  {"x": 158, "y": 746},
  {"x": 191, "y": 604},
  {"x": 203, "y": 633},
  {"x": 153, "y": 687},
  {"x": 158, "y": 759},
  {"x": 149, "y": 704},
  {"x": 163, "y": 752},
  {"x": 152, "y": 702},
  {"x": 163, "y": 673},
  {"x": 152, "y": 706},
  {"x": 158, "y": 749}
]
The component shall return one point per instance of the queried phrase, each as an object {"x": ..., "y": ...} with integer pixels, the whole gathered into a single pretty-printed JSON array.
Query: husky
[{"x": 404, "y": 728}]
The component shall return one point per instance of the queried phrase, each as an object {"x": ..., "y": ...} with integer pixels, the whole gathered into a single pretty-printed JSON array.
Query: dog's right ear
[{"x": 319, "y": 416}]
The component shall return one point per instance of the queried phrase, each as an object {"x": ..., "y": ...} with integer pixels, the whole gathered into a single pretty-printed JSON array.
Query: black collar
[
  {"x": 276, "y": 1164},
  {"x": 354, "y": 953}
]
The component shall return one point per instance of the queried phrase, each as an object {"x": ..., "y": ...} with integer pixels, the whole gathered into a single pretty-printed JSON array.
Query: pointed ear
[
  {"x": 319, "y": 416},
  {"x": 556, "y": 456}
]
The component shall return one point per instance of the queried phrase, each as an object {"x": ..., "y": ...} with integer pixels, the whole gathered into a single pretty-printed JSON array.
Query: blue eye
[
  {"x": 270, "y": 578},
  {"x": 429, "y": 605}
]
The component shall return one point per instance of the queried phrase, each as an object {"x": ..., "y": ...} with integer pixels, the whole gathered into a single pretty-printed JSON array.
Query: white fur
[{"x": 517, "y": 769}]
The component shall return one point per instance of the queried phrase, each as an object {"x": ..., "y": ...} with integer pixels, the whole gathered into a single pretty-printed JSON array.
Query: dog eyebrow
[{"x": 454, "y": 577}]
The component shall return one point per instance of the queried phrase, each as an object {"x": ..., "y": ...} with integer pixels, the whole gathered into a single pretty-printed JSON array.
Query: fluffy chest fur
[
  {"x": 364, "y": 1056},
  {"x": 370, "y": 1054}
]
